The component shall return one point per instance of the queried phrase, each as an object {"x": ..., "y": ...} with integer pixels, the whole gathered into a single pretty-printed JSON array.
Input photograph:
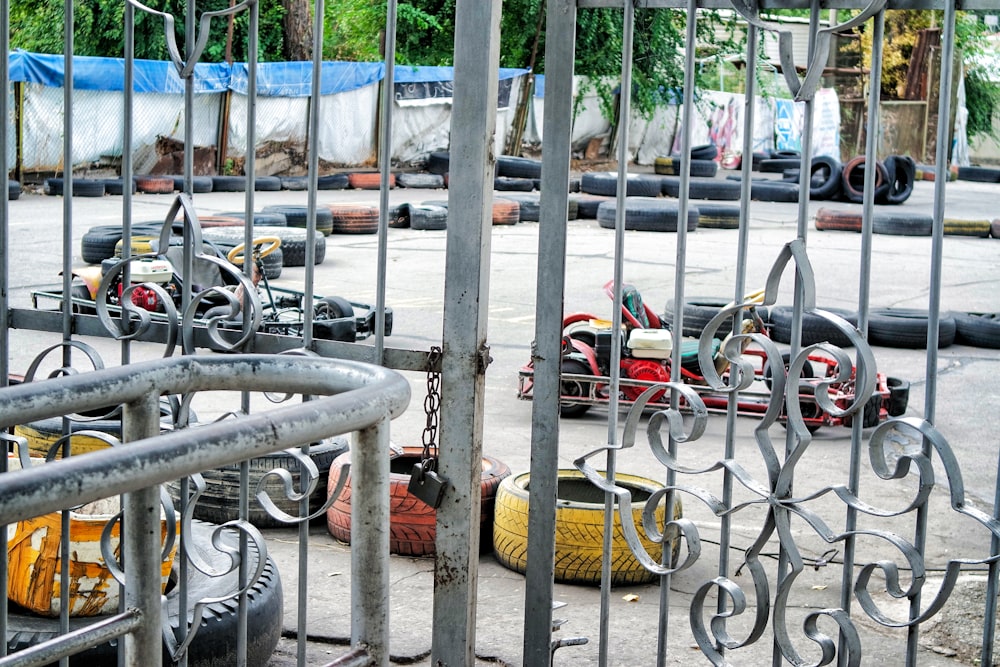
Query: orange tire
[
  {"x": 159, "y": 185},
  {"x": 411, "y": 521},
  {"x": 506, "y": 212},
  {"x": 354, "y": 218},
  {"x": 845, "y": 221},
  {"x": 369, "y": 180}
]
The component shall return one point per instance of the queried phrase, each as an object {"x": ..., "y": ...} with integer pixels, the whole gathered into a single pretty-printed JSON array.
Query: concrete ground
[{"x": 966, "y": 390}]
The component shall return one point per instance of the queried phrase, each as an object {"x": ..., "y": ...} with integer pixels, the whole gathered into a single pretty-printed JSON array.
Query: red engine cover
[{"x": 646, "y": 370}]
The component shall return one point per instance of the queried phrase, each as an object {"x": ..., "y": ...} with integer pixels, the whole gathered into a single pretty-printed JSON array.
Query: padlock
[{"x": 426, "y": 484}]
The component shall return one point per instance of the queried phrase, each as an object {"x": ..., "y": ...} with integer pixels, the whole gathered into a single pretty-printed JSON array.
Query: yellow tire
[
  {"x": 141, "y": 245},
  {"x": 579, "y": 529},
  {"x": 955, "y": 227}
]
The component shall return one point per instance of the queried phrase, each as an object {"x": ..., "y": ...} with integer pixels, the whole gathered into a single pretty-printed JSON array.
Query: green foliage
[{"x": 982, "y": 99}]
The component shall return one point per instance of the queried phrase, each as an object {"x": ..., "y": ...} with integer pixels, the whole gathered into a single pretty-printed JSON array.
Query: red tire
[
  {"x": 506, "y": 212},
  {"x": 354, "y": 218},
  {"x": 853, "y": 179},
  {"x": 207, "y": 221},
  {"x": 159, "y": 185},
  {"x": 369, "y": 180},
  {"x": 844, "y": 221},
  {"x": 411, "y": 521}
]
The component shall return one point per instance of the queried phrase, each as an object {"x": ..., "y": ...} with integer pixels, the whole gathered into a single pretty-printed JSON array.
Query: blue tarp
[{"x": 290, "y": 79}]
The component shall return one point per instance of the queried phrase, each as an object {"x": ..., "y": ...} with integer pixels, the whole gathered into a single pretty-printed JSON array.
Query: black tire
[
  {"x": 518, "y": 167},
  {"x": 333, "y": 182},
  {"x": 718, "y": 216},
  {"x": 199, "y": 184},
  {"x": 704, "y": 152},
  {"x": 529, "y": 203},
  {"x": 437, "y": 162},
  {"x": 423, "y": 181},
  {"x": 267, "y": 184},
  {"x": 995, "y": 229},
  {"x": 853, "y": 180},
  {"x": 671, "y": 166},
  {"x": 215, "y": 641},
  {"x": 979, "y": 174},
  {"x": 825, "y": 178},
  {"x": 293, "y": 241},
  {"x": 778, "y": 165},
  {"x": 587, "y": 205},
  {"x": 573, "y": 388},
  {"x": 699, "y": 310},
  {"x": 220, "y": 501},
  {"x": 428, "y": 217},
  {"x": 902, "y": 172},
  {"x": 82, "y": 187},
  {"x": 13, "y": 190},
  {"x": 646, "y": 215},
  {"x": 978, "y": 329},
  {"x": 116, "y": 186},
  {"x": 899, "y": 396},
  {"x": 606, "y": 183},
  {"x": 815, "y": 329},
  {"x": 776, "y": 191},
  {"x": 708, "y": 188},
  {"x": 53, "y": 187},
  {"x": 298, "y": 216},
  {"x": 902, "y": 224},
  {"x": 508, "y": 184},
  {"x": 295, "y": 183},
  {"x": 265, "y": 218},
  {"x": 784, "y": 155},
  {"x": 98, "y": 244},
  {"x": 229, "y": 183},
  {"x": 907, "y": 328},
  {"x": 786, "y": 357}
]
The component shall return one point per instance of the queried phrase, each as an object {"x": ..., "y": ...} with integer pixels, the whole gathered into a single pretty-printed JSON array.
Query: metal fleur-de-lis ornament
[
  {"x": 805, "y": 88},
  {"x": 185, "y": 64}
]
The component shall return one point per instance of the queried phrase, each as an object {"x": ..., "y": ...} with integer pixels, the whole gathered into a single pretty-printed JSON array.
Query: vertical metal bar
[
  {"x": 934, "y": 301},
  {"x": 990, "y": 610},
  {"x": 141, "y": 548},
  {"x": 385, "y": 165},
  {"x": 560, "y": 26},
  {"x": 4, "y": 273},
  {"x": 742, "y": 253},
  {"x": 313, "y": 153},
  {"x": 466, "y": 303},
  {"x": 370, "y": 542},
  {"x": 624, "y": 113},
  {"x": 128, "y": 125},
  {"x": 864, "y": 298}
]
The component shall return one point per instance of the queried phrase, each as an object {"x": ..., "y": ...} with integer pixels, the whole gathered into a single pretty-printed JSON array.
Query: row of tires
[
  {"x": 887, "y": 327},
  {"x": 904, "y": 224}
]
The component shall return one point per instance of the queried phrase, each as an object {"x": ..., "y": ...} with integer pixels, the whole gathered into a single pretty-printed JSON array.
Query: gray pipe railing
[{"x": 349, "y": 397}]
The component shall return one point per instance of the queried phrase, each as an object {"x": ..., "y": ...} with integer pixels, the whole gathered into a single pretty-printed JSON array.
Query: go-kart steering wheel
[{"x": 236, "y": 254}]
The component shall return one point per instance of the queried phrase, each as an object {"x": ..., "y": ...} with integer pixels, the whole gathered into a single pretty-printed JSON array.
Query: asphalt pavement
[{"x": 963, "y": 377}]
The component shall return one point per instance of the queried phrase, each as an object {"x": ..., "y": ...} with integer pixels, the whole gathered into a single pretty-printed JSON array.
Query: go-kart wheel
[
  {"x": 573, "y": 388},
  {"x": 236, "y": 254},
  {"x": 786, "y": 358}
]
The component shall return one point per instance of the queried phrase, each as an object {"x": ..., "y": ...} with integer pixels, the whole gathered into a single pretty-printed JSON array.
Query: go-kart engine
[{"x": 646, "y": 370}]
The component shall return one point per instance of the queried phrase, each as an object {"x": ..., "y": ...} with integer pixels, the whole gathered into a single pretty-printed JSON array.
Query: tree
[{"x": 297, "y": 26}]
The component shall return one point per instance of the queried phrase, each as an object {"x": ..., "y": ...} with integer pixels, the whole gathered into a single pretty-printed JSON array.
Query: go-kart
[
  {"x": 646, "y": 344},
  {"x": 221, "y": 294}
]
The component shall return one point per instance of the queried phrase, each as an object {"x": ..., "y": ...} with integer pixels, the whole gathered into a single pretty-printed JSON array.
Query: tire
[
  {"x": 116, "y": 186},
  {"x": 704, "y": 152},
  {"x": 976, "y": 228},
  {"x": 13, "y": 190},
  {"x": 807, "y": 368},
  {"x": 215, "y": 641},
  {"x": 98, "y": 244},
  {"x": 825, "y": 178},
  {"x": 529, "y": 205},
  {"x": 907, "y": 328},
  {"x": 208, "y": 221},
  {"x": 82, "y": 187},
  {"x": 518, "y": 167},
  {"x": 353, "y": 219},
  {"x": 508, "y": 184},
  {"x": 698, "y": 311},
  {"x": 332, "y": 182},
  {"x": 506, "y": 212},
  {"x": 606, "y": 183},
  {"x": 784, "y": 155},
  {"x": 295, "y": 183},
  {"x": 722, "y": 190},
  {"x": 293, "y": 241},
  {"x": 815, "y": 329},
  {"x": 579, "y": 529},
  {"x": 573, "y": 388},
  {"x": 902, "y": 224},
  {"x": 776, "y": 191},
  {"x": 426, "y": 217},
  {"x": 154, "y": 185},
  {"x": 587, "y": 205},
  {"x": 671, "y": 166},
  {"x": 298, "y": 216},
  {"x": 995, "y": 229},
  {"x": 437, "y": 162},
  {"x": 399, "y": 216},
  {"x": 903, "y": 173},
  {"x": 267, "y": 184},
  {"x": 979, "y": 174},
  {"x": 644, "y": 214},
  {"x": 266, "y": 218},
  {"x": 220, "y": 501},
  {"x": 199, "y": 184},
  {"x": 778, "y": 165},
  {"x": 423, "y": 181},
  {"x": 229, "y": 184},
  {"x": 853, "y": 180},
  {"x": 842, "y": 221},
  {"x": 978, "y": 329},
  {"x": 899, "y": 396},
  {"x": 412, "y": 527},
  {"x": 718, "y": 216},
  {"x": 369, "y": 180}
]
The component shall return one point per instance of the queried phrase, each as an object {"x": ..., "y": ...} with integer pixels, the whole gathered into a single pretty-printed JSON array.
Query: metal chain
[{"x": 432, "y": 407}]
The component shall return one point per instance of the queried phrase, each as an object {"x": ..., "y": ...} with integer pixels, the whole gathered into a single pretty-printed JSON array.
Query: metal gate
[{"x": 729, "y": 619}]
